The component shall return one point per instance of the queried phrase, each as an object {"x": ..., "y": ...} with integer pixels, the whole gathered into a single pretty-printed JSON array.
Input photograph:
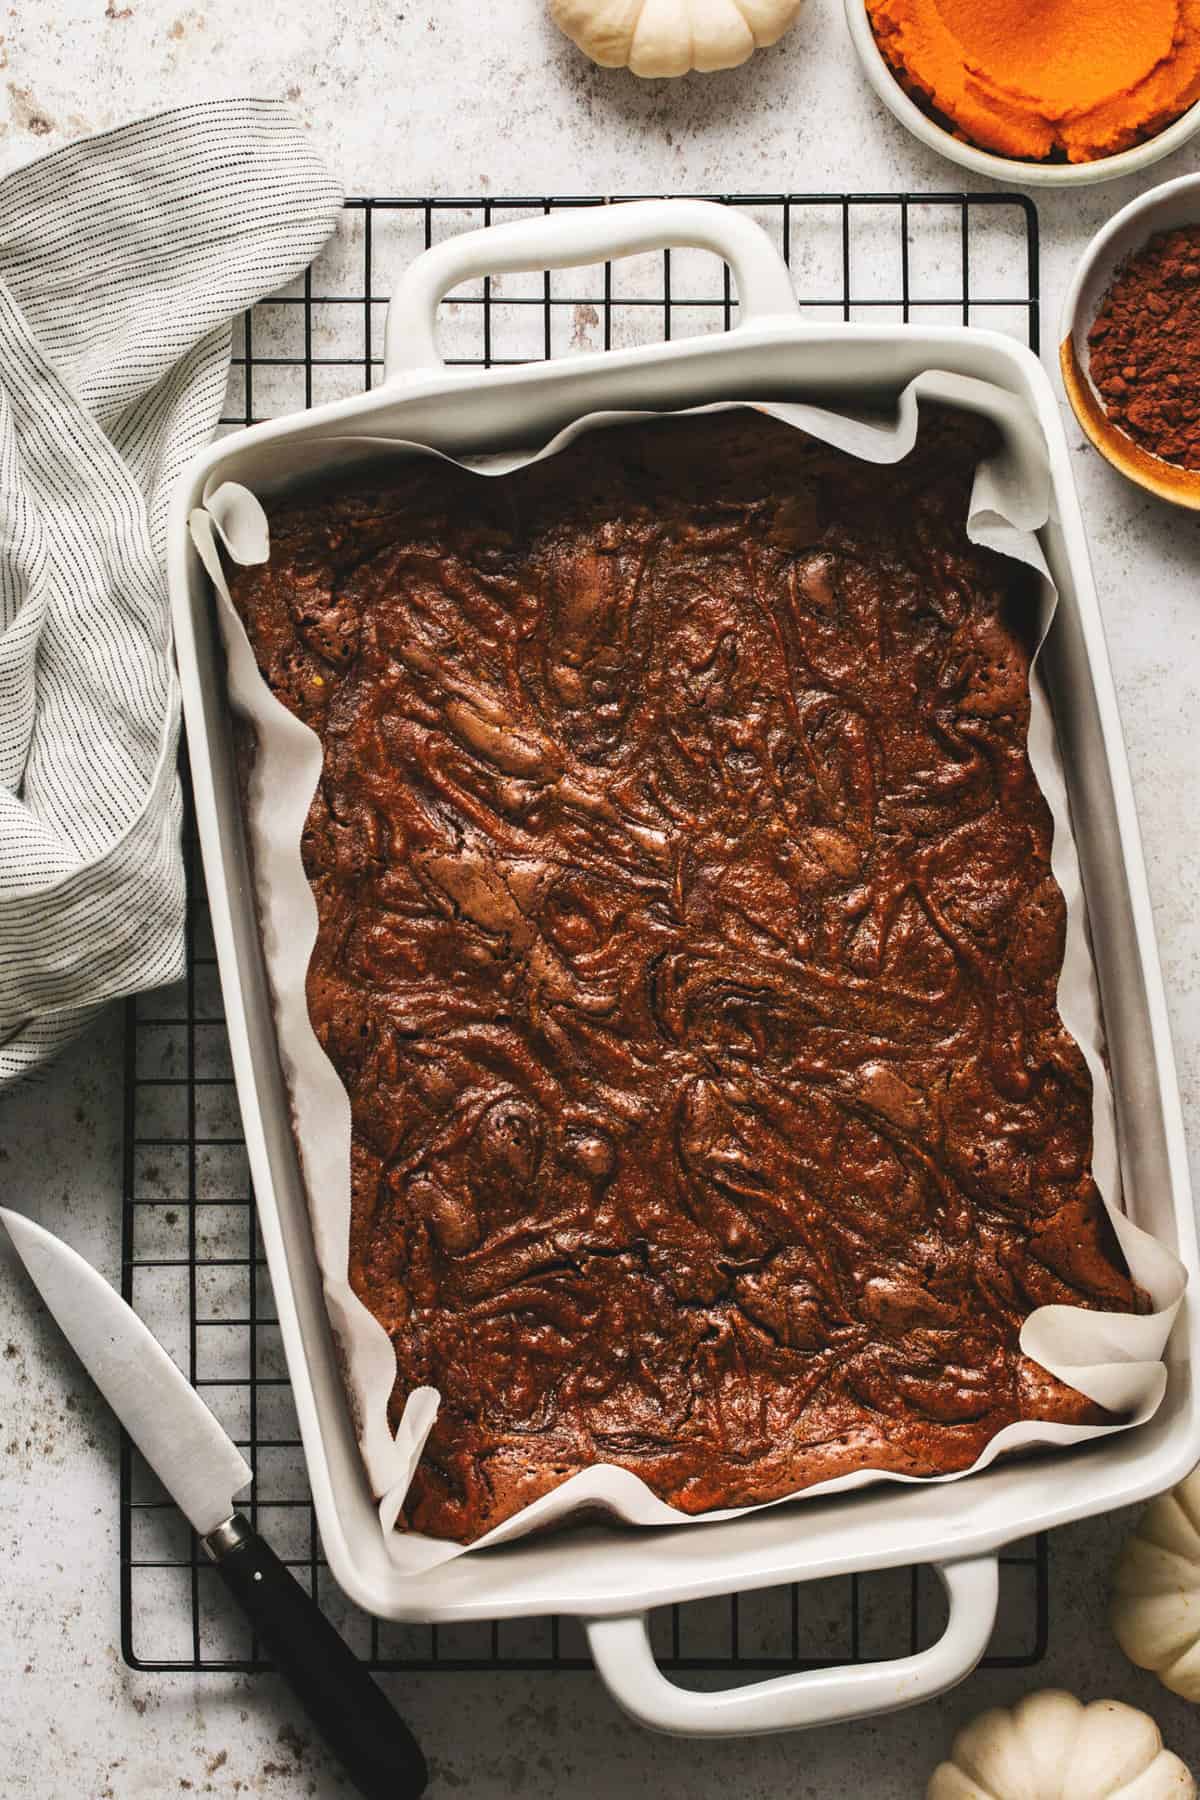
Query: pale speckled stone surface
[{"x": 405, "y": 98}]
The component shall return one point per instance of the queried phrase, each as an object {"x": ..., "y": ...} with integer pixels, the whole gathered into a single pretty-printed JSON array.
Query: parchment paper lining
[{"x": 1115, "y": 1359}]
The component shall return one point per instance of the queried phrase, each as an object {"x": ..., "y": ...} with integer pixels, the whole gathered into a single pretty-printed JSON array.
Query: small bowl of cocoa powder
[{"x": 1130, "y": 341}]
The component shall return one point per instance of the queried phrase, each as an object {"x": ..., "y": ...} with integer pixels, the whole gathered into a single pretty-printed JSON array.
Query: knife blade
[
  {"x": 159, "y": 1408},
  {"x": 200, "y": 1466}
]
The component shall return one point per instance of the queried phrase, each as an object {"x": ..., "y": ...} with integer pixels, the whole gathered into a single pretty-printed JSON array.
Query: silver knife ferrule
[{"x": 225, "y": 1538}]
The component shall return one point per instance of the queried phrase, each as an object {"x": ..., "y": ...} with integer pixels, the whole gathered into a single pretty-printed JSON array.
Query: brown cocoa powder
[{"x": 1145, "y": 347}]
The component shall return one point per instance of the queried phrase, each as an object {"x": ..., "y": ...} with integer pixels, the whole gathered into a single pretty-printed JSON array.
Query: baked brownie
[{"x": 689, "y": 949}]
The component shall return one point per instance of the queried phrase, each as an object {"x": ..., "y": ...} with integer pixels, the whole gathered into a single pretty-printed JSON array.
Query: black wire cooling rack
[{"x": 192, "y": 1263}]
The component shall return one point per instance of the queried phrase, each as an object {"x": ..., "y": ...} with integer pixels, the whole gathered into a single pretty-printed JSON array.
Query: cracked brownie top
[{"x": 689, "y": 950}]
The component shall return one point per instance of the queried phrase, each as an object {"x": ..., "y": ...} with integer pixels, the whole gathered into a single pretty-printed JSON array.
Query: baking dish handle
[
  {"x": 586, "y": 234},
  {"x": 625, "y": 1662}
]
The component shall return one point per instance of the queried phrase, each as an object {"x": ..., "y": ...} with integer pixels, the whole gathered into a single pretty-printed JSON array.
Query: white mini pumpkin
[
  {"x": 1156, "y": 1590},
  {"x": 1051, "y": 1747},
  {"x": 669, "y": 37}
]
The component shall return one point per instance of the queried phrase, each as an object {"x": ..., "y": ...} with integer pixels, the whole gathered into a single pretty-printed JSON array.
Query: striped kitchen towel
[{"x": 123, "y": 260}]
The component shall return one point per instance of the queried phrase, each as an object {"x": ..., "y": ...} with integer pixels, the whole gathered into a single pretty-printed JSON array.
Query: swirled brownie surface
[{"x": 688, "y": 947}]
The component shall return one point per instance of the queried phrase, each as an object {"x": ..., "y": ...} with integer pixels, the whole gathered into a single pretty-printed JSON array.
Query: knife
[{"x": 202, "y": 1469}]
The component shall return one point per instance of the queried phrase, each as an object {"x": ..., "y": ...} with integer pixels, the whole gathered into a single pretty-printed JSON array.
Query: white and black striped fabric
[{"x": 123, "y": 260}]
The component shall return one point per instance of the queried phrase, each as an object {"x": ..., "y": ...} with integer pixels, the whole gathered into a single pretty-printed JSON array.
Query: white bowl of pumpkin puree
[{"x": 1040, "y": 92}]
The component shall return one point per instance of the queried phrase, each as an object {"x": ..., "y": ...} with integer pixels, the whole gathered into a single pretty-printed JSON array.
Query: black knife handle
[{"x": 353, "y": 1715}]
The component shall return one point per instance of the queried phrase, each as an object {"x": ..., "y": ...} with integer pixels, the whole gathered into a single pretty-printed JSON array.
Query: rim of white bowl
[
  {"x": 1152, "y": 201},
  {"x": 1008, "y": 169}
]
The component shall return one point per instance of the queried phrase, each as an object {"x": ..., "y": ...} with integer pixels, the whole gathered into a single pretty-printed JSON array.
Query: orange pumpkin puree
[{"x": 1079, "y": 79}]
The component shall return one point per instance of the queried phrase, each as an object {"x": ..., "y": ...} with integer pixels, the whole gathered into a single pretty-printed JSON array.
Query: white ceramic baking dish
[{"x": 610, "y": 1577}]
